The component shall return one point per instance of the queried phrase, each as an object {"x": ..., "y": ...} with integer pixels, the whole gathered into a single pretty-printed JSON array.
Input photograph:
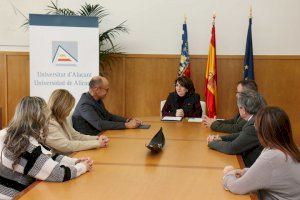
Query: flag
[
  {"x": 248, "y": 59},
  {"x": 184, "y": 66},
  {"x": 211, "y": 76}
]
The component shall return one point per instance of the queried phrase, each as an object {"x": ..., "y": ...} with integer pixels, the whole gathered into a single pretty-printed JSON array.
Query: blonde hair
[
  {"x": 30, "y": 120},
  {"x": 61, "y": 103}
]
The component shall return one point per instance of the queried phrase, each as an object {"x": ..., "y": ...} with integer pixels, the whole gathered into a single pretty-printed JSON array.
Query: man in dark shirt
[
  {"x": 90, "y": 115},
  {"x": 232, "y": 125},
  {"x": 245, "y": 142}
]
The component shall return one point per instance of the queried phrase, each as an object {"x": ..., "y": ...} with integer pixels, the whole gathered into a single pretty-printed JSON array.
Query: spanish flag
[{"x": 211, "y": 75}]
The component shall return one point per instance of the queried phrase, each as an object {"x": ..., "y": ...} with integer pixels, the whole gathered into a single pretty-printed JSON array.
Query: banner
[{"x": 64, "y": 53}]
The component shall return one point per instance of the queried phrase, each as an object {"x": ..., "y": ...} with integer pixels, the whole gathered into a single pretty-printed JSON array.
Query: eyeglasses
[{"x": 106, "y": 89}]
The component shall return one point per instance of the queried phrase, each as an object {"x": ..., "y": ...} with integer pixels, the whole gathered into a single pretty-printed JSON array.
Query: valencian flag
[
  {"x": 248, "y": 59},
  {"x": 211, "y": 75},
  {"x": 184, "y": 67}
]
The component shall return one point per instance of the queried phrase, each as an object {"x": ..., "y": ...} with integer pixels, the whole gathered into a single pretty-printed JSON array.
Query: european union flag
[{"x": 248, "y": 60}]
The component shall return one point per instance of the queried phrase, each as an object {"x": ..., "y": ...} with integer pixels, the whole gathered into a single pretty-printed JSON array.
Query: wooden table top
[{"x": 185, "y": 169}]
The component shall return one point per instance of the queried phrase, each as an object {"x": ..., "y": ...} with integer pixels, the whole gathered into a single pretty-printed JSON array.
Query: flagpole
[
  {"x": 250, "y": 14},
  {"x": 185, "y": 18},
  {"x": 214, "y": 18}
]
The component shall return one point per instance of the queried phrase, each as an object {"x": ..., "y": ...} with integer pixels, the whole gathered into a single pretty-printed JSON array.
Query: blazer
[
  {"x": 229, "y": 126},
  {"x": 90, "y": 117},
  {"x": 245, "y": 143},
  {"x": 66, "y": 140},
  {"x": 191, "y": 105}
]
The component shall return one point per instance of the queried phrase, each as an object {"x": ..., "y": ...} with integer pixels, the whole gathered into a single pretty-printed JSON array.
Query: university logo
[{"x": 64, "y": 53}]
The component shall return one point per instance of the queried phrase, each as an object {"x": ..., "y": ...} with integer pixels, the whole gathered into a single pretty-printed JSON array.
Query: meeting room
[{"x": 143, "y": 100}]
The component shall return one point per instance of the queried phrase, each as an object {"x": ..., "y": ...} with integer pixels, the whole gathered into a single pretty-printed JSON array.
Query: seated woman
[
  {"x": 62, "y": 137},
  {"x": 276, "y": 172},
  {"x": 24, "y": 158},
  {"x": 184, "y": 102}
]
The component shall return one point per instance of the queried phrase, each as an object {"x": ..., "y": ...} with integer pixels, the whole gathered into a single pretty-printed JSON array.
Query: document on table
[
  {"x": 170, "y": 118},
  {"x": 195, "y": 120}
]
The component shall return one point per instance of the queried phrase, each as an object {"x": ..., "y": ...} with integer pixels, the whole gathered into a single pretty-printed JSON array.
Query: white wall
[{"x": 155, "y": 25}]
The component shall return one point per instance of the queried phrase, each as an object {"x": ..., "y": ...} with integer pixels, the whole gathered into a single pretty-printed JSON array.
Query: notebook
[
  {"x": 195, "y": 120},
  {"x": 169, "y": 118}
]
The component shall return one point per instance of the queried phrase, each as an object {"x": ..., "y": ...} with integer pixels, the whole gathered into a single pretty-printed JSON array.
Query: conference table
[{"x": 185, "y": 169}]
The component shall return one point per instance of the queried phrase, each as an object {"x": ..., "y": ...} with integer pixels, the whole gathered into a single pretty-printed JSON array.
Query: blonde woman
[
  {"x": 23, "y": 158},
  {"x": 62, "y": 137}
]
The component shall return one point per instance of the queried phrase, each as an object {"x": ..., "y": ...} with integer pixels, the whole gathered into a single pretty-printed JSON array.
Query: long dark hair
[
  {"x": 274, "y": 131},
  {"x": 187, "y": 83},
  {"x": 30, "y": 120}
]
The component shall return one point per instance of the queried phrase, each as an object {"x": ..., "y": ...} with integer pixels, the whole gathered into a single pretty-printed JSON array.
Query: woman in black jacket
[{"x": 184, "y": 102}]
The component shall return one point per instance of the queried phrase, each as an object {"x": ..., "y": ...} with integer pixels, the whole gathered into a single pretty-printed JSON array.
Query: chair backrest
[
  {"x": 162, "y": 103},
  {"x": 202, "y": 103},
  {"x": 203, "y": 106}
]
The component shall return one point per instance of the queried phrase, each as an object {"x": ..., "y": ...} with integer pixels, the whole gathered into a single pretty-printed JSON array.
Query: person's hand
[
  {"x": 228, "y": 169},
  {"x": 239, "y": 172},
  {"x": 208, "y": 121},
  {"x": 103, "y": 141},
  {"x": 133, "y": 123},
  {"x": 84, "y": 159},
  {"x": 87, "y": 161},
  {"x": 138, "y": 121},
  {"x": 179, "y": 113},
  {"x": 88, "y": 164},
  {"x": 211, "y": 138}
]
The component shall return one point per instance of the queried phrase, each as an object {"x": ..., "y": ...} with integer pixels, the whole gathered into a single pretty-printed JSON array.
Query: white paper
[
  {"x": 169, "y": 118},
  {"x": 195, "y": 120}
]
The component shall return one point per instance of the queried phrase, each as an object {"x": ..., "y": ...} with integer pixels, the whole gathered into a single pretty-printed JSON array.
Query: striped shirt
[{"x": 36, "y": 163}]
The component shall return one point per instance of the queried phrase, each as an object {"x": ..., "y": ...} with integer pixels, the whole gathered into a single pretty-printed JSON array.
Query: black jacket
[
  {"x": 190, "y": 105},
  {"x": 245, "y": 143},
  {"x": 90, "y": 117}
]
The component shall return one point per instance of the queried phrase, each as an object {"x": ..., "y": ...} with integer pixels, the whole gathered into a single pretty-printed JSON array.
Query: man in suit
[
  {"x": 245, "y": 142},
  {"x": 90, "y": 115},
  {"x": 232, "y": 125}
]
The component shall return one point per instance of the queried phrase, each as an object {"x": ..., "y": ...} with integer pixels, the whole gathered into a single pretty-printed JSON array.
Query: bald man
[{"x": 90, "y": 115}]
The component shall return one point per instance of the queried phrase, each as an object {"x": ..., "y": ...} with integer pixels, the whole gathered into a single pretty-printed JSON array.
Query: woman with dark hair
[
  {"x": 23, "y": 157},
  {"x": 276, "y": 172},
  {"x": 184, "y": 102}
]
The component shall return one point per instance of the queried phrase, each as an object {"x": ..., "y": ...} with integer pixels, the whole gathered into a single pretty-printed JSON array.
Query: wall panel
[
  {"x": 148, "y": 81},
  {"x": 3, "y": 88},
  {"x": 139, "y": 82},
  {"x": 115, "y": 72},
  {"x": 17, "y": 81}
]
